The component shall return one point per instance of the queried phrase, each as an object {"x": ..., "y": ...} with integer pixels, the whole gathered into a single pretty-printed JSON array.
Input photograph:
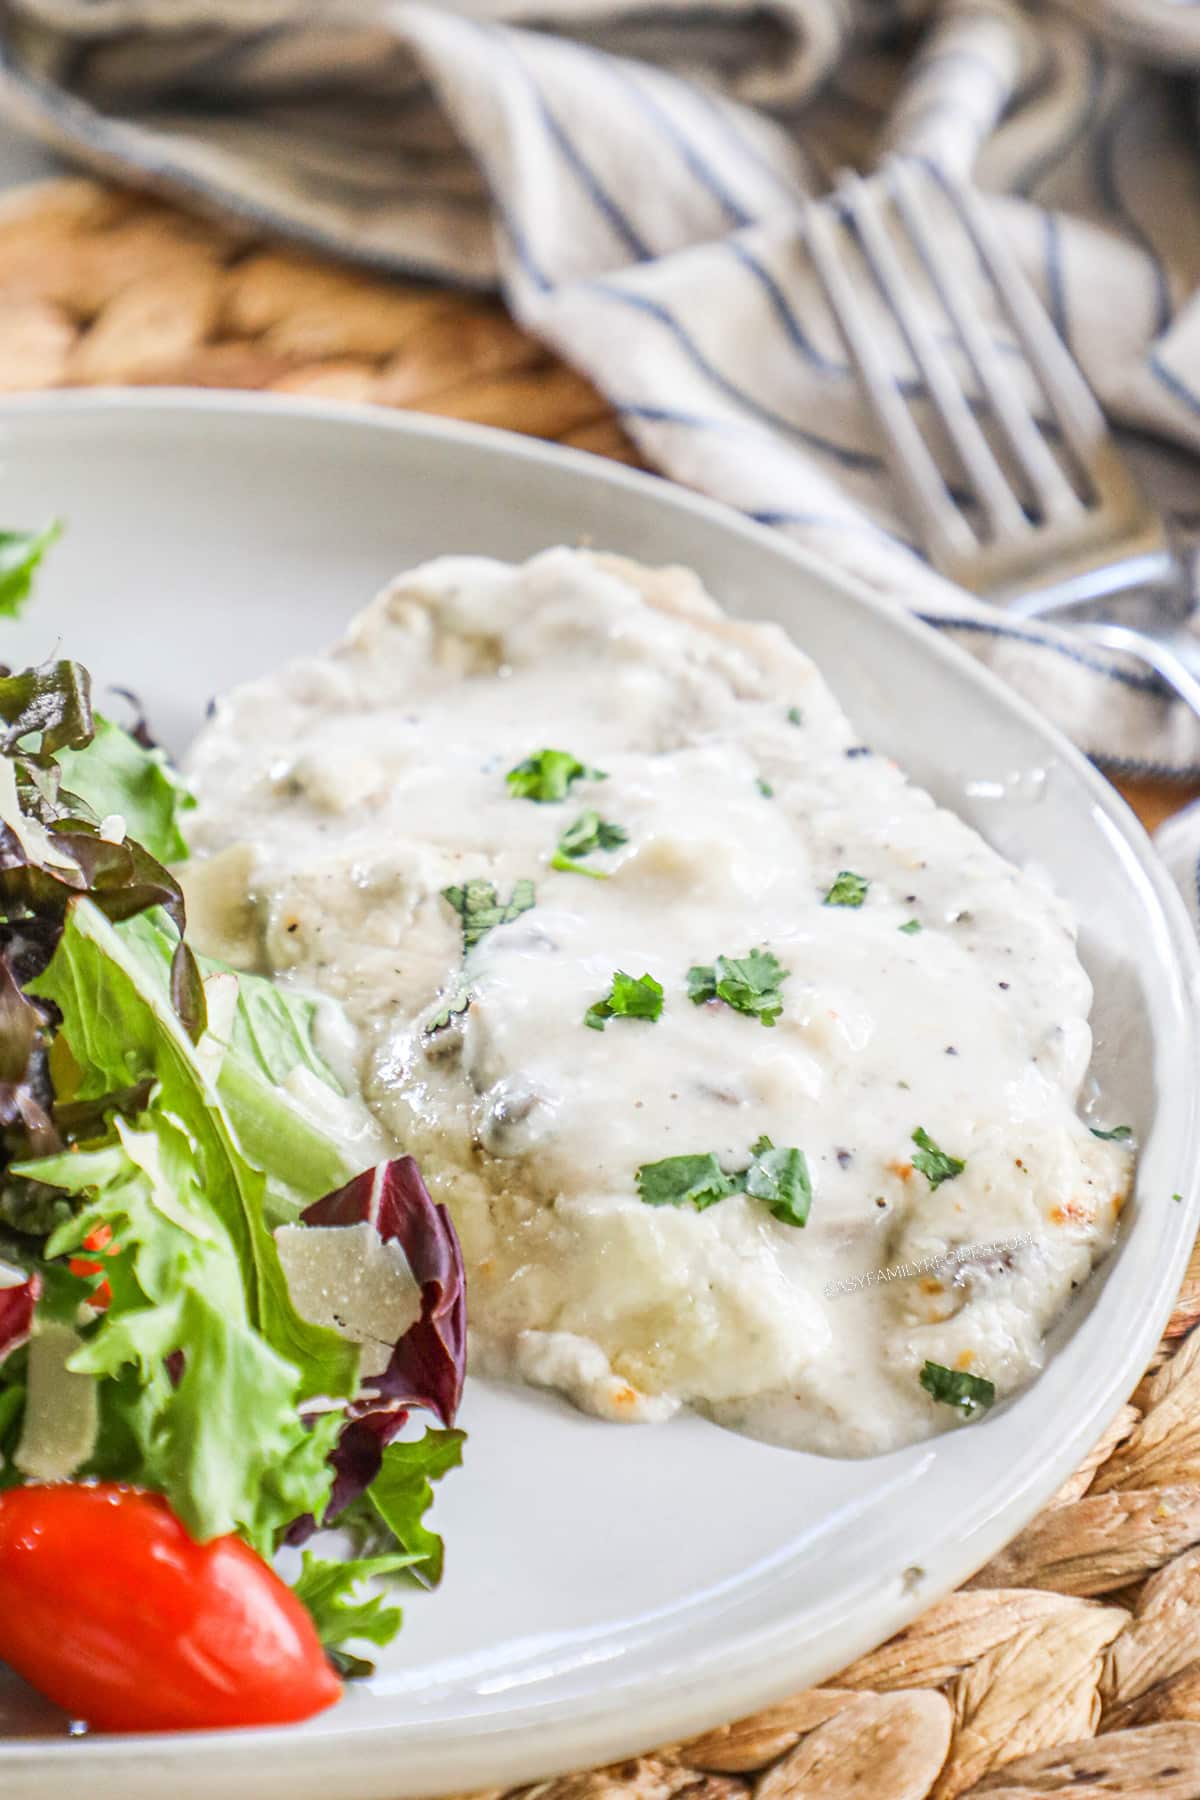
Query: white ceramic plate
[{"x": 608, "y": 1588}]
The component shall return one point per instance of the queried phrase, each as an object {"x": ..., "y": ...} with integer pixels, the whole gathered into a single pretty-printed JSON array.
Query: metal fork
[{"x": 1062, "y": 536}]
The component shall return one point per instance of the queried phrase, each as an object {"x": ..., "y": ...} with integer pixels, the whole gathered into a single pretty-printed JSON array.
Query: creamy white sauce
[{"x": 361, "y": 784}]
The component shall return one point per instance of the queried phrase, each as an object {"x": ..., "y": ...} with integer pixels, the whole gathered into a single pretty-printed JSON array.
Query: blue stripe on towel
[
  {"x": 725, "y": 119},
  {"x": 1056, "y": 293},
  {"x": 781, "y": 517},
  {"x": 620, "y": 225},
  {"x": 785, "y": 312},
  {"x": 1142, "y": 684},
  {"x": 848, "y": 456},
  {"x": 1174, "y": 384},
  {"x": 657, "y": 115},
  {"x": 1141, "y": 769}
]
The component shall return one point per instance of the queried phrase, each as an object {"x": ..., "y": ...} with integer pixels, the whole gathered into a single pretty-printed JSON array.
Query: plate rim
[{"x": 493, "y": 1750}]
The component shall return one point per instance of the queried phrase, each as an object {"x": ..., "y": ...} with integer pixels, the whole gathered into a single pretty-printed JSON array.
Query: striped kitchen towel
[{"x": 629, "y": 172}]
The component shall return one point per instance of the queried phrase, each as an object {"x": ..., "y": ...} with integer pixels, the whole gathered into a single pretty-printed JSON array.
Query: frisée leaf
[
  {"x": 217, "y": 1426},
  {"x": 394, "y": 1506},
  {"x": 327, "y": 1589}
]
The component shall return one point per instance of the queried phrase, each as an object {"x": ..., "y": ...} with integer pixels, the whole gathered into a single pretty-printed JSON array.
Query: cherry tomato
[
  {"x": 115, "y": 1613},
  {"x": 100, "y": 1239}
]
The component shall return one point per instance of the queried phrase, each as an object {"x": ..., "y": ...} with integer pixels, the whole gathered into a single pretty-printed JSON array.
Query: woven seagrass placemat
[{"x": 1070, "y": 1664}]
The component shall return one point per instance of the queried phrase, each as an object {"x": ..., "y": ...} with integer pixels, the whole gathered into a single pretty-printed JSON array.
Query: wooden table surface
[{"x": 1154, "y": 801}]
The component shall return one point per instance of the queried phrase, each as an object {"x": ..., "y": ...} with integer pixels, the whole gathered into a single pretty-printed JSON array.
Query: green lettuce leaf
[
  {"x": 270, "y": 1035},
  {"x": 20, "y": 554},
  {"x": 114, "y": 774},
  {"x": 273, "y": 1029},
  {"x": 121, "y": 1028}
]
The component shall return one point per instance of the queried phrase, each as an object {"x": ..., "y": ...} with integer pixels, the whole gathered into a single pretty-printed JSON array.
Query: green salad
[{"x": 151, "y": 1147}]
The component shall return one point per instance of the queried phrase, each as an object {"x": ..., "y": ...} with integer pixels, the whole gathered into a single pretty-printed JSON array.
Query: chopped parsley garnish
[
  {"x": 750, "y": 984},
  {"x": 764, "y": 787},
  {"x": 779, "y": 1178},
  {"x": 934, "y": 1164},
  {"x": 795, "y": 716},
  {"x": 457, "y": 1001},
  {"x": 547, "y": 775},
  {"x": 630, "y": 997},
  {"x": 911, "y": 927},
  {"x": 678, "y": 1179},
  {"x": 589, "y": 832},
  {"x": 954, "y": 1387},
  {"x": 1117, "y": 1135},
  {"x": 480, "y": 908},
  {"x": 848, "y": 890}
]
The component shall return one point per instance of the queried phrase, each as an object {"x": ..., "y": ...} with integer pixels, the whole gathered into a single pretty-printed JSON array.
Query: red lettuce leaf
[
  {"x": 53, "y": 701},
  {"x": 428, "y": 1362},
  {"x": 26, "y": 1095},
  {"x": 16, "y": 1313},
  {"x": 358, "y": 1455},
  {"x": 43, "y": 711}
]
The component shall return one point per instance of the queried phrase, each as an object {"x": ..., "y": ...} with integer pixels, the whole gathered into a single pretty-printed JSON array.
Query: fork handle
[
  {"x": 1175, "y": 656},
  {"x": 1155, "y": 566}
]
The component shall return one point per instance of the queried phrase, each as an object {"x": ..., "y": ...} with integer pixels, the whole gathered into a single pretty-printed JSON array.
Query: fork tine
[
  {"x": 1000, "y": 505},
  {"x": 1071, "y": 400},
  {"x": 1053, "y": 493},
  {"x": 944, "y": 532}
]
